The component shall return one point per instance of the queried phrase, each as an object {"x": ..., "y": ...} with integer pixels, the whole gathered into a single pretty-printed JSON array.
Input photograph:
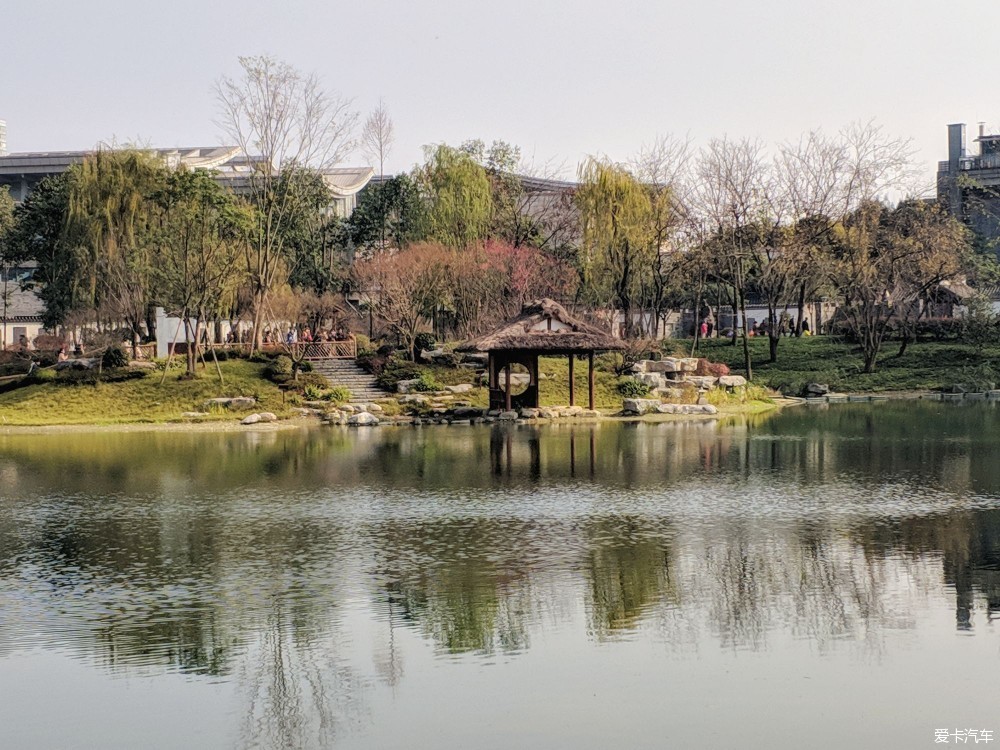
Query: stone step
[{"x": 346, "y": 373}]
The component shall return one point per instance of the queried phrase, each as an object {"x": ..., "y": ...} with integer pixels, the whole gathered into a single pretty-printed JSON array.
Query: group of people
[
  {"x": 786, "y": 327},
  {"x": 305, "y": 336},
  {"x": 293, "y": 335}
]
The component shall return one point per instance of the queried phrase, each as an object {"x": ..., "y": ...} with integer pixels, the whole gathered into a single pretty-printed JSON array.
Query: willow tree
[
  {"x": 285, "y": 122},
  {"x": 617, "y": 252},
  {"x": 459, "y": 196},
  {"x": 110, "y": 225}
]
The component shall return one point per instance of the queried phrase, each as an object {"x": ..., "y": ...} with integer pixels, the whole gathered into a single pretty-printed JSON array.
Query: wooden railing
[
  {"x": 141, "y": 351},
  {"x": 325, "y": 349},
  {"x": 302, "y": 350}
]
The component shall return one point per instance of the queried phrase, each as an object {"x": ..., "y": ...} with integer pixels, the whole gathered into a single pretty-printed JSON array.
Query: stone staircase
[{"x": 346, "y": 373}]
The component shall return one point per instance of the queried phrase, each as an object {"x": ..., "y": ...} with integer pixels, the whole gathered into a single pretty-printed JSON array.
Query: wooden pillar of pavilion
[
  {"x": 590, "y": 378},
  {"x": 572, "y": 384},
  {"x": 506, "y": 374}
]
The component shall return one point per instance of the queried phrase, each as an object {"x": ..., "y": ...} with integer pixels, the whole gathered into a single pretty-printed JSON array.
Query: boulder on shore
[
  {"x": 362, "y": 419},
  {"x": 639, "y": 406},
  {"x": 732, "y": 381},
  {"x": 405, "y": 386},
  {"x": 815, "y": 390}
]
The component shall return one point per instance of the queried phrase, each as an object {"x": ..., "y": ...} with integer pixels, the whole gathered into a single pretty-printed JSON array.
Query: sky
[{"x": 562, "y": 79}]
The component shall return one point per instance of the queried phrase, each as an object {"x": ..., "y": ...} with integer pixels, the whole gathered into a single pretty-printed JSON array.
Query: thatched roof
[{"x": 544, "y": 325}]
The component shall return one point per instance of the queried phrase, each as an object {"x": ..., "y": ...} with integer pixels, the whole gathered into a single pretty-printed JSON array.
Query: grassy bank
[
  {"x": 140, "y": 400},
  {"x": 822, "y": 359}
]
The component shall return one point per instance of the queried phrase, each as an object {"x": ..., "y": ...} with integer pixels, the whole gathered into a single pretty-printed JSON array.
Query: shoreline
[{"x": 303, "y": 422}]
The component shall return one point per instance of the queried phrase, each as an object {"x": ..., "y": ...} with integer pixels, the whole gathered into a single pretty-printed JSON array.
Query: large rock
[
  {"x": 652, "y": 379},
  {"x": 467, "y": 412},
  {"x": 251, "y": 419},
  {"x": 815, "y": 390},
  {"x": 529, "y": 413},
  {"x": 668, "y": 364},
  {"x": 80, "y": 363},
  {"x": 267, "y": 416},
  {"x": 405, "y": 386},
  {"x": 732, "y": 381},
  {"x": 701, "y": 381},
  {"x": 688, "y": 364},
  {"x": 639, "y": 406},
  {"x": 362, "y": 419},
  {"x": 507, "y": 416},
  {"x": 460, "y": 388}
]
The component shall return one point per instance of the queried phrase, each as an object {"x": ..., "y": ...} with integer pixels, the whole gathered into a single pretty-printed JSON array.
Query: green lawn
[
  {"x": 822, "y": 359},
  {"x": 142, "y": 400},
  {"x": 926, "y": 365}
]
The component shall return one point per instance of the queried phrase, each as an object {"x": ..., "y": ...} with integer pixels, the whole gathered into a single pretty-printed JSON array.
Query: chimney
[
  {"x": 982, "y": 129},
  {"x": 3, "y": 137},
  {"x": 956, "y": 145}
]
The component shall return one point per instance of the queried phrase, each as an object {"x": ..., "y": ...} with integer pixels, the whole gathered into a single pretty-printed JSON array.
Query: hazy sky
[{"x": 560, "y": 78}]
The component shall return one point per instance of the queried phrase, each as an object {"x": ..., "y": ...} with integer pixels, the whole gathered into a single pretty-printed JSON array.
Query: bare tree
[
  {"x": 663, "y": 167},
  {"x": 734, "y": 213},
  {"x": 285, "y": 122},
  {"x": 377, "y": 137}
]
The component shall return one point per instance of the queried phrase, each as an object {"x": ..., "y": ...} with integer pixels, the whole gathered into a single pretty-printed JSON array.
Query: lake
[{"x": 822, "y": 577}]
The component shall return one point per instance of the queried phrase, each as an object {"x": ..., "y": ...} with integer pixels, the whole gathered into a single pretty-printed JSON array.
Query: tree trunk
[
  {"x": 903, "y": 343},
  {"x": 258, "y": 319},
  {"x": 697, "y": 322},
  {"x": 191, "y": 343},
  {"x": 802, "y": 310},
  {"x": 747, "y": 364},
  {"x": 736, "y": 316},
  {"x": 773, "y": 333}
]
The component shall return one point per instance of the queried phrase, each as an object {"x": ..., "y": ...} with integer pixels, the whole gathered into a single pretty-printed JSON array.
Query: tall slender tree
[
  {"x": 285, "y": 121},
  {"x": 377, "y": 137}
]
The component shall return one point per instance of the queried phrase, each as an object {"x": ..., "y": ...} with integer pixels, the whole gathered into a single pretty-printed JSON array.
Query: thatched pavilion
[{"x": 543, "y": 327}]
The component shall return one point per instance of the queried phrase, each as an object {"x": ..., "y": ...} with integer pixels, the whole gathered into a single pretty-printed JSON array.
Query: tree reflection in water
[{"x": 257, "y": 558}]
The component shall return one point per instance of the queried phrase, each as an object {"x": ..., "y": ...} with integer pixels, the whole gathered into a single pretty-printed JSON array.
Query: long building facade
[{"x": 21, "y": 309}]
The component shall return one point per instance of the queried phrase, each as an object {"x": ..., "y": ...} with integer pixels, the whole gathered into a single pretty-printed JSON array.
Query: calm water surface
[{"x": 822, "y": 578}]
